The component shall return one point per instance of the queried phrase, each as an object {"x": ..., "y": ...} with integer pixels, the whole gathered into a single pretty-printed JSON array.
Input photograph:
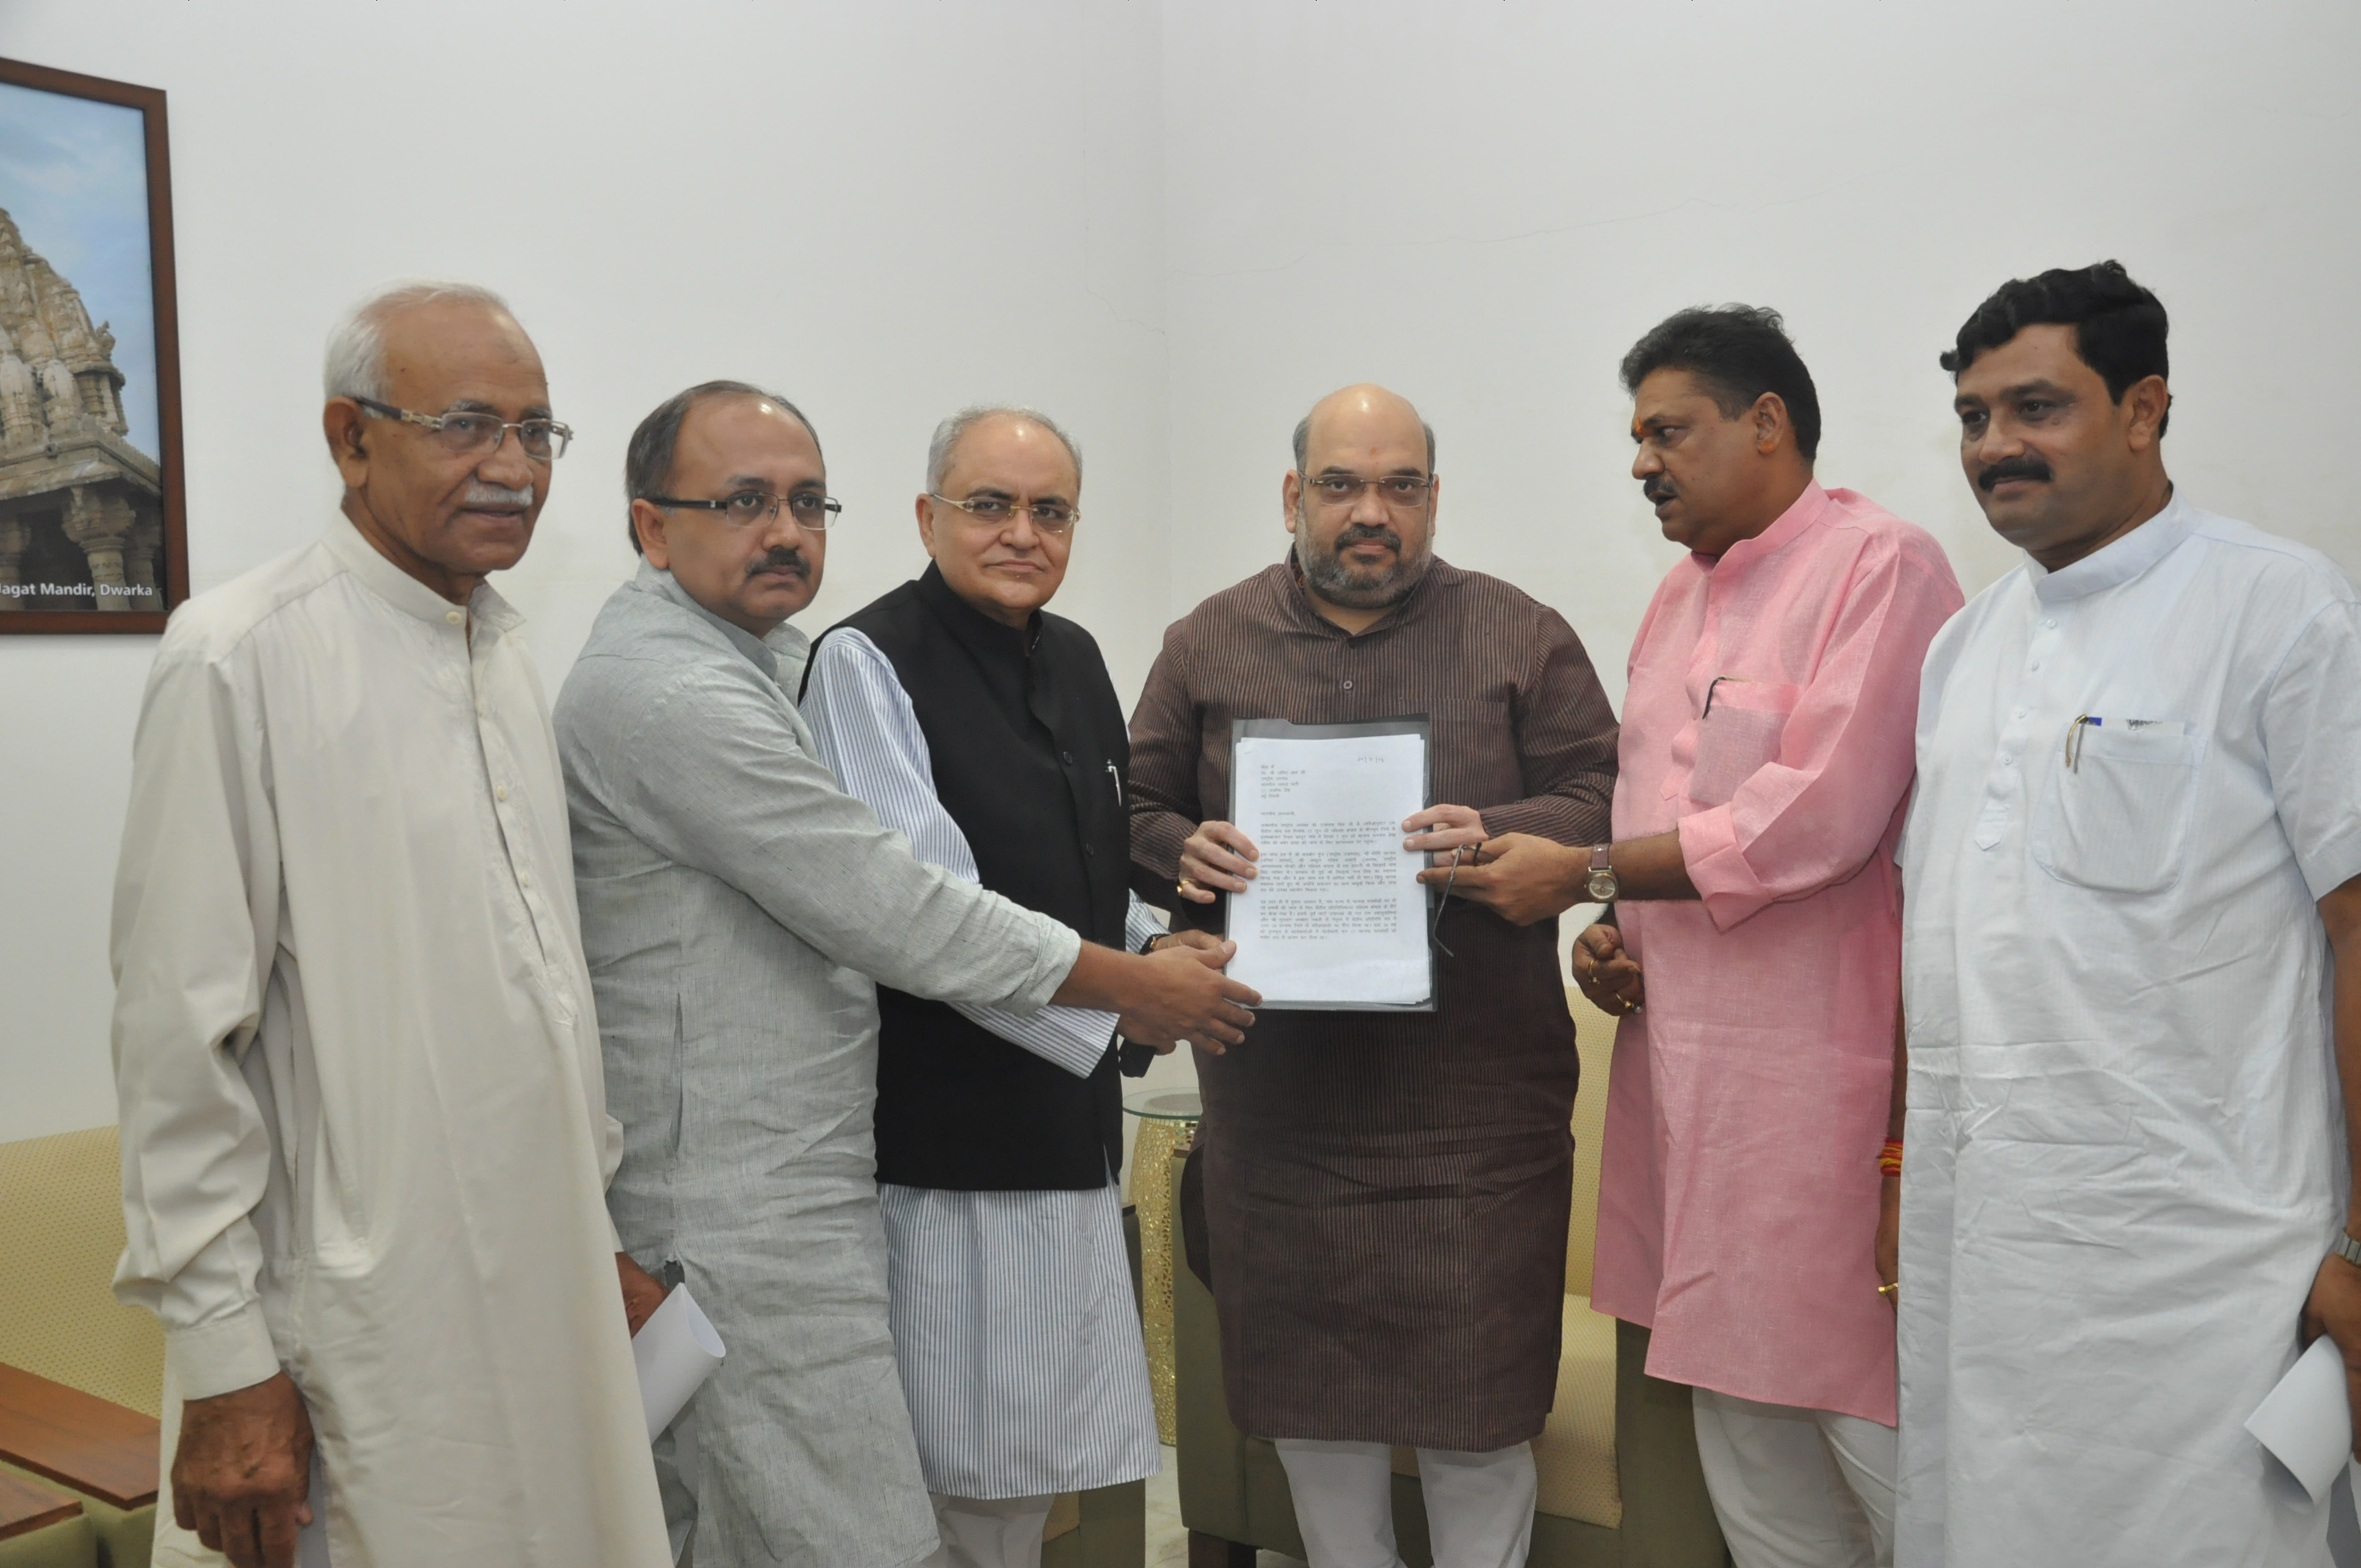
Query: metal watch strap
[{"x": 2347, "y": 1248}]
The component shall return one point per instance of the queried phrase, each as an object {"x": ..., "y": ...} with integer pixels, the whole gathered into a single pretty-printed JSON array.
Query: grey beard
[{"x": 1339, "y": 585}]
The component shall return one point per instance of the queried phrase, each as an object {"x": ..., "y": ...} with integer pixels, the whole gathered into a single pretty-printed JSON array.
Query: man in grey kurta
[{"x": 735, "y": 906}]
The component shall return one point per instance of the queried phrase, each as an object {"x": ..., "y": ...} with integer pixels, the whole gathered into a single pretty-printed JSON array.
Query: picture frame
[{"x": 93, "y": 521}]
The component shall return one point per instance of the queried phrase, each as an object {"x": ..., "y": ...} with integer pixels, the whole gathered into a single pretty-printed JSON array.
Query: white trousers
[
  {"x": 1479, "y": 1507},
  {"x": 988, "y": 1533},
  {"x": 1797, "y": 1488}
]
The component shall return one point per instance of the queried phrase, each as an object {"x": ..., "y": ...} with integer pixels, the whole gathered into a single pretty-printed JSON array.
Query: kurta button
[
  {"x": 1091, "y": 850},
  {"x": 502, "y": 793},
  {"x": 1348, "y": 685},
  {"x": 525, "y": 879},
  {"x": 1069, "y": 757},
  {"x": 454, "y": 617}
]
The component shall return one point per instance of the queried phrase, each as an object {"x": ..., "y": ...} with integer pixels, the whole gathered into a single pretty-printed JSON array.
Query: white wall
[
  {"x": 1483, "y": 204},
  {"x": 886, "y": 210},
  {"x": 1176, "y": 226}
]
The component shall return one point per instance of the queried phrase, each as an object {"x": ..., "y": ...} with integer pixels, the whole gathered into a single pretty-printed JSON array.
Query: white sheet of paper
[
  {"x": 676, "y": 1350},
  {"x": 2306, "y": 1422},
  {"x": 1335, "y": 914}
]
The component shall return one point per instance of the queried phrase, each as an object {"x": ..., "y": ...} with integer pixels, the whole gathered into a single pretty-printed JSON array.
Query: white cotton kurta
[
  {"x": 363, "y": 1124},
  {"x": 1014, "y": 1320},
  {"x": 2126, "y": 1147}
]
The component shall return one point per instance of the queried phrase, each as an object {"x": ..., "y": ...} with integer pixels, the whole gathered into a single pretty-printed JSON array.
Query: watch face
[{"x": 1602, "y": 886}]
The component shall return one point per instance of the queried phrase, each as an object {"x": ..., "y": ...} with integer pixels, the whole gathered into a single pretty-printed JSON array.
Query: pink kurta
[{"x": 1773, "y": 702}]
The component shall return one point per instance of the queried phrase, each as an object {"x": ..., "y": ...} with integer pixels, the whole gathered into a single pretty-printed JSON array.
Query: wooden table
[
  {"x": 79, "y": 1442},
  {"x": 25, "y": 1508}
]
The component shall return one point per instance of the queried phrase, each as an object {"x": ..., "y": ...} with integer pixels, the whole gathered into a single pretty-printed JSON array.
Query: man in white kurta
[
  {"x": 2130, "y": 894},
  {"x": 364, "y": 1129}
]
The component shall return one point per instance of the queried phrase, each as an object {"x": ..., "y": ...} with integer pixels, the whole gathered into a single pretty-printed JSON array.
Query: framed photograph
[{"x": 93, "y": 531}]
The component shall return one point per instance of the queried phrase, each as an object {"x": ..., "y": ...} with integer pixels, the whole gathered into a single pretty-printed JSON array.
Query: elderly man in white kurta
[
  {"x": 2132, "y": 889},
  {"x": 364, "y": 1130}
]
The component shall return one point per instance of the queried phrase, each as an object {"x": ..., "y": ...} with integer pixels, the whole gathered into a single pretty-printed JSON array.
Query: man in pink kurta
[{"x": 1766, "y": 757}]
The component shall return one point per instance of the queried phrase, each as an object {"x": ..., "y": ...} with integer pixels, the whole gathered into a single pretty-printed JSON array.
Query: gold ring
[
  {"x": 1186, "y": 884},
  {"x": 1893, "y": 1290}
]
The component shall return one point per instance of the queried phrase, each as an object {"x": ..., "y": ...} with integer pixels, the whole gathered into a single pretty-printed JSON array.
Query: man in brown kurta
[{"x": 1386, "y": 1195}]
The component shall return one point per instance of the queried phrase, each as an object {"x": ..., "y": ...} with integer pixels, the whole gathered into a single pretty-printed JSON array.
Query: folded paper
[
  {"x": 676, "y": 1350},
  {"x": 2306, "y": 1421}
]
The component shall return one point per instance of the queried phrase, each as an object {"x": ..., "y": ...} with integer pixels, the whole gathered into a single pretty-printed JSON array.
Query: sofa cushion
[
  {"x": 1594, "y": 1034},
  {"x": 61, "y": 1231},
  {"x": 1575, "y": 1453}
]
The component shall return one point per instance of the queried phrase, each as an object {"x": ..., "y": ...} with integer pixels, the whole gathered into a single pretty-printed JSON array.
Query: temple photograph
[{"x": 81, "y": 487}]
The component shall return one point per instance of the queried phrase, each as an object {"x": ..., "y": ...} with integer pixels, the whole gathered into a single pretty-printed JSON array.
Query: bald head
[
  {"x": 1354, "y": 414},
  {"x": 1361, "y": 503}
]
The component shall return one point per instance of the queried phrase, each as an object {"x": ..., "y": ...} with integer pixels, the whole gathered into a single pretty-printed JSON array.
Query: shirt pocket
[
  {"x": 1739, "y": 736},
  {"x": 2117, "y": 820}
]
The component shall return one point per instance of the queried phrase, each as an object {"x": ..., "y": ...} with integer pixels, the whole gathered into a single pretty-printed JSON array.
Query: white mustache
[{"x": 482, "y": 495}]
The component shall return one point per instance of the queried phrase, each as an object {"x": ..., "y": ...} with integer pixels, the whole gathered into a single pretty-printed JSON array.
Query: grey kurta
[{"x": 734, "y": 902}]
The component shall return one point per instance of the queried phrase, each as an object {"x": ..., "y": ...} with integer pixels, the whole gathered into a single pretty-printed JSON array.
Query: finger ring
[
  {"x": 1186, "y": 884},
  {"x": 1892, "y": 1292}
]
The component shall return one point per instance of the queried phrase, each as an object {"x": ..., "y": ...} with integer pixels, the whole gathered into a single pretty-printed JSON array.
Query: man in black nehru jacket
[{"x": 986, "y": 730}]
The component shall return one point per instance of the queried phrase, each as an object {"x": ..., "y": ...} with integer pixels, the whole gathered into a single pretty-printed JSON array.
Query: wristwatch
[
  {"x": 2347, "y": 1248},
  {"x": 1602, "y": 885}
]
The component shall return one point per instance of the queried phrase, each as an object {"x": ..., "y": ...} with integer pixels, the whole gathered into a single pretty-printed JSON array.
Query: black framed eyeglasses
[
  {"x": 812, "y": 509},
  {"x": 471, "y": 432}
]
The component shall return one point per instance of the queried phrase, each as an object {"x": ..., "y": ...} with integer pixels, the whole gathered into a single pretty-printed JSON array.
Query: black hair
[
  {"x": 1739, "y": 352},
  {"x": 647, "y": 461},
  {"x": 2119, "y": 326}
]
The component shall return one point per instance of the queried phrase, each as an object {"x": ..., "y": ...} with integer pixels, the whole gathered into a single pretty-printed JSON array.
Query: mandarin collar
[
  {"x": 406, "y": 593},
  {"x": 1801, "y": 513},
  {"x": 2120, "y": 562},
  {"x": 653, "y": 579},
  {"x": 988, "y": 637}
]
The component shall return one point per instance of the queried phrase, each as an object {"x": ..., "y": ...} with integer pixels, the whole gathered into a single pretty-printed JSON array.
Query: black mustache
[
  {"x": 789, "y": 559},
  {"x": 1657, "y": 492},
  {"x": 2026, "y": 467},
  {"x": 1358, "y": 532}
]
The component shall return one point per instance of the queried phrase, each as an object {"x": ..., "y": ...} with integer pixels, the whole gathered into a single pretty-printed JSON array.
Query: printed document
[{"x": 1334, "y": 918}]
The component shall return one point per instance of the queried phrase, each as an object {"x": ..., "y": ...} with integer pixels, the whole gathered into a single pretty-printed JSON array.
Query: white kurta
[
  {"x": 1014, "y": 1320},
  {"x": 363, "y": 1124},
  {"x": 2125, "y": 1148}
]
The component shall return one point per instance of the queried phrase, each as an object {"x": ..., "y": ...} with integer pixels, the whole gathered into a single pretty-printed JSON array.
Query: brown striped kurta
[{"x": 1386, "y": 1194}]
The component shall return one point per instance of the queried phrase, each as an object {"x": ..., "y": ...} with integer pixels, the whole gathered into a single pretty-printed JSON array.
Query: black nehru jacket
[{"x": 1029, "y": 751}]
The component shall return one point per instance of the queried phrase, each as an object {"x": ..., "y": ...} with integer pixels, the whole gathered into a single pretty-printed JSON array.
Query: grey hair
[
  {"x": 647, "y": 461},
  {"x": 355, "y": 365},
  {"x": 1303, "y": 443},
  {"x": 949, "y": 435}
]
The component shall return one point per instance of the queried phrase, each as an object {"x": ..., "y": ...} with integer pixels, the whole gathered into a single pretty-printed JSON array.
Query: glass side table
[{"x": 1168, "y": 1124}]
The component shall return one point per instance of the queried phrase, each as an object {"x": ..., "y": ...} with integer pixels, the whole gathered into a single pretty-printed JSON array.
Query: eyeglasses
[
  {"x": 464, "y": 433},
  {"x": 1403, "y": 492},
  {"x": 811, "y": 510},
  {"x": 998, "y": 511}
]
